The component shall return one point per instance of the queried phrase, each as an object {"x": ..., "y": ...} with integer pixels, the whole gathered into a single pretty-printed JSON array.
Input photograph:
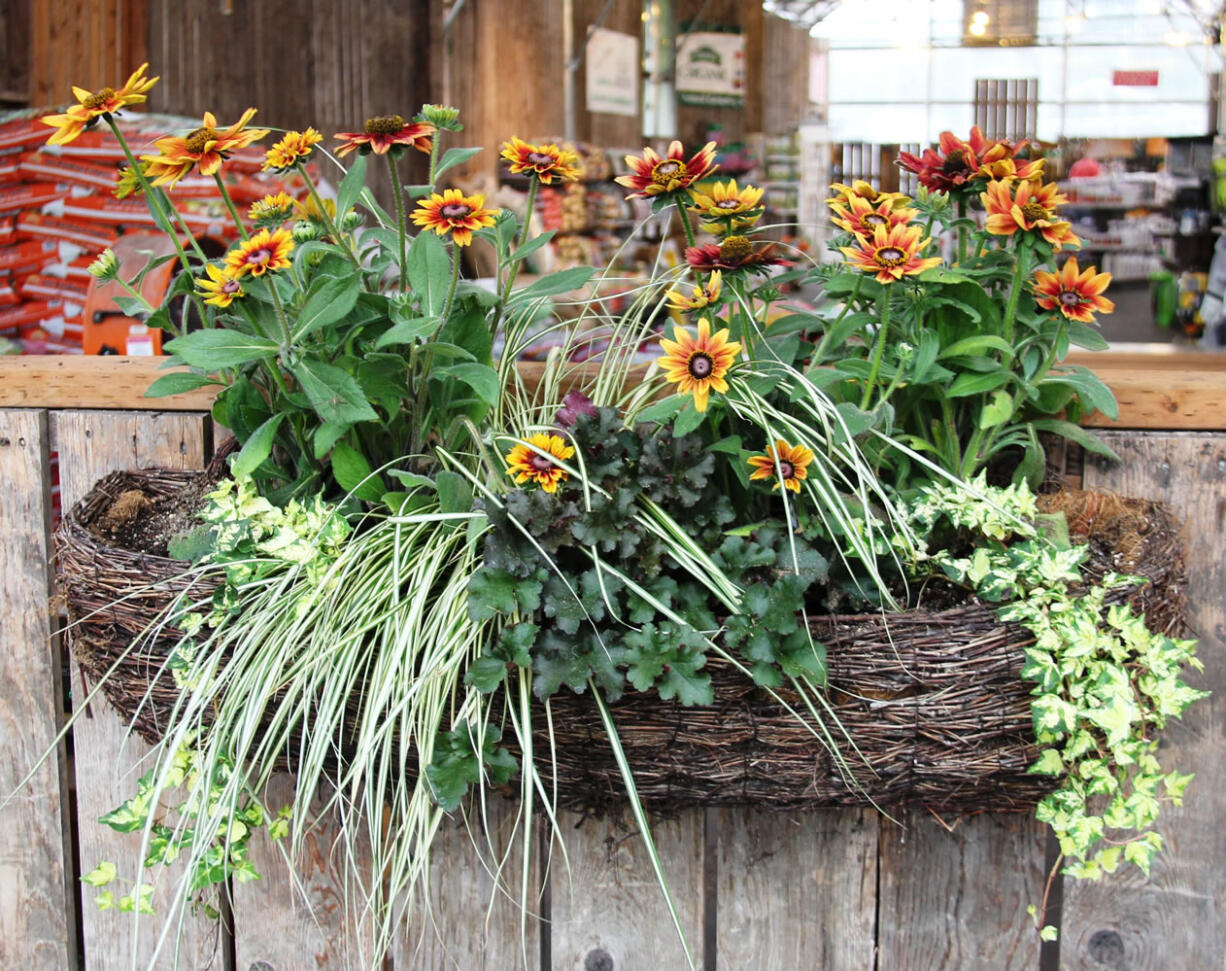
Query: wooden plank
[
  {"x": 89, "y": 382},
  {"x": 316, "y": 919},
  {"x": 608, "y": 912},
  {"x": 470, "y": 924},
  {"x": 956, "y": 900},
  {"x": 90, "y": 444},
  {"x": 1175, "y": 918},
  {"x": 796, "y": 891},
  {"x": 36, "y": 903}
]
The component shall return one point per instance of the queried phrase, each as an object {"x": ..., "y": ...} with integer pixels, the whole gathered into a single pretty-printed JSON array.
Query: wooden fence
[{"x": 830, "y": 890}]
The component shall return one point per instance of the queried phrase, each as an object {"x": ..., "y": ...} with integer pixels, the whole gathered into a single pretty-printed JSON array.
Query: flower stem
[
  {"x": 685, "y": 221},
  {"x": 820, "y": 352},
  {"x": 333, "y": 231},
  {"x": 455, "y": 278},
  {"x": 1019, "y": 273},
  {"x": 533, "y": 182},
  {"x": 398, "y": 193},
  {"x": 961, "y": 232},
  {"x": 433, "y": 158},
  {"x": 286, "y": 336},
  {"x": 225, "y": 196},
  {"x": 878, "y": 348}
]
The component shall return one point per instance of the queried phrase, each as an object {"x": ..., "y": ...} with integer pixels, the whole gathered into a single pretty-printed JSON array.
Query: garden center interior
[{"x": 1119, "y": 96}]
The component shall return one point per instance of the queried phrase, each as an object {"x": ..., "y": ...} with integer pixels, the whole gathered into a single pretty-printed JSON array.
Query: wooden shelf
[{"x": 1157, "y": 385}]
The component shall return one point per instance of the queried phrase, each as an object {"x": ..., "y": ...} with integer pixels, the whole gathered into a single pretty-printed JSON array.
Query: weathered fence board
[
  {"x": 35, "y": 903},
  {"x": 608, "y": 912},
  {"x": 107, "y": 762},
  {"x": 796, "y": 890},
  {"x": 1175, "y": 919}
]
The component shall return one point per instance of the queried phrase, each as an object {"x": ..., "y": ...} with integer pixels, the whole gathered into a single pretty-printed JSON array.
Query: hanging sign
[
  {"x": 613, "y": 72},
  {"x": 711, "y": 67},
  {"x": 1134, "y": 79}
]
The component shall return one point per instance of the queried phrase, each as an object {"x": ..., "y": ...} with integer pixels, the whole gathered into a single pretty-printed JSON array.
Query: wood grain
[
  {"x": 91, "y": 444},
  {"x": 36, "y": 902},
  {"x": 313, "y": 921},
  {"x": 957, "y": 900},
  {"x": 471, "y": 924},
  {"x": 608, "y": 912},
  {"x": 1176, "y": 918},
  {"x": 796, "y": 890}
]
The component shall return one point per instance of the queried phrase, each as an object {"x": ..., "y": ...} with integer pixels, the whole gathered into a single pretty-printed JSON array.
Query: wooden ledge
[{"x": 1157, "y": 386}]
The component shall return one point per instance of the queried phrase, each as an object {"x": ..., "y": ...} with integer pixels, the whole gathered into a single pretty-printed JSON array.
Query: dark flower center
[
  {"x": 701, "y": 365},
  {"x": 668, "y": 172},
  {"x": 890, "y": 256},
  {"x": 954, "y": 162},
  {"x": 735, "y": 249},
  {"x": 384, "y": 125},
  {"x": 875, "y": 219},
  {"x": 455, "y": 210},
  {"x": 786, "y": 469},
  {"x": 539, "y": 463},
  {"x": 1069, "y": 298},
  {"x": 231, "y": 286},
  {"x": 1033, "y": 211},
  {"x": 257, "y": 256},
  {"x": 728, "y": 204},
  {"x": 99, "y": 100},
  {"x": 540, "y": 158},
  {"x": 198, "y": 141}
]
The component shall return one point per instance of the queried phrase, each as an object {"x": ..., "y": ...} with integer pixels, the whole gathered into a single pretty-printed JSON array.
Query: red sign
[{"x": 1135, "y": 79}]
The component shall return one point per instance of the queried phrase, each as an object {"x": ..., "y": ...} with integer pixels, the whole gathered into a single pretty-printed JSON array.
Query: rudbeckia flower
[
  {"x": 952, "y": 166},
  {"x": 891, "y": 253},
  {"x": 1020, "y": 205},
  {"x": 1076, "y": 293},
  {"x": 94, "y": 105},
  {"x": 262, "y": 252},
  {"x": 703, "y": 296},
  {"x": 273, "y": 209},
  {"x": 698, "y": 366},
  {"x": 205, "y": 148},
  {"x": 387, "y": 132},
  {"x": 455, "y": 213},
  {"x": 529, "y": 465},
  {"x": 734, "y": 253},
  {"x": 221, "y": 288},
  {"x": 728, "y": 207},
  {"x": 546, "y": 162},
  {"x": 861, "y": 218},
  {"x": 866, "y": 191},
  {"x": 290, "y": 150},
  {"x": 784, "y": 463},
  {"x": 653, "y": 175}
]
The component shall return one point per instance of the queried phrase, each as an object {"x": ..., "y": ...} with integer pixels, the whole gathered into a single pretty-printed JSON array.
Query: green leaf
[
  {"x": 453, "y": 157},
  {"x": 492, "y": 591},
  {"x": 334, "y": 393},
  {"x": 178, "y": 382},
  {"x": 353, "y": 473},
  {"x": 1083, "y": 335},
  {"x": 351, "y": 186},
  {"x": 429, "y": 272},
  {"x": 213, "y": 350},
  {"x": 454, "y": 493},
  {"x": 327, "y": 435},
  {"x": 662, "y": 411},
  {"x": 977, "y": 345},
  {"x": 531, "y": 246},
  {"x": 564, "y": 281},
  {"x": 1074, "y": 433},
  {"x": 481, "y": 378},
  {"x": 966, "y": 384},
  {"x": 407, "y": 330},
  {"x": 257, "y": 448},
  {"x": 486, "y": 674},
  {"x": 1049, "y": 763},
  {"x": 997, "y": 411},
  {"x": 688, "y": 419},
  {"x": 329, "y": 300},
  {"x": 101, "y": 875}
]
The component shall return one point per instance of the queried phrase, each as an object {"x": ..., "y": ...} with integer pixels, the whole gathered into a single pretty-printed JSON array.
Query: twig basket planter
[{"x": 933, "y": 708}]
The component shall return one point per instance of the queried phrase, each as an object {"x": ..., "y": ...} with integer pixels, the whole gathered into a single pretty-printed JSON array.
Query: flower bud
[
  {"x": 351, "y": 221},
  {"x": 106, "y": 266},
  {"x": 442, "y": 117},
  {"x": 304, "y": 231}
]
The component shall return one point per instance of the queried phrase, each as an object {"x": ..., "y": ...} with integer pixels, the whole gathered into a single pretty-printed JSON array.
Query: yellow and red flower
[
  {"x": 1021, "y": 205},
  {"x": 784, "y": 463},
  {"x": 1076, "y": 293},
  {"x": 386, "y": 132},
  {"x": 698, "y": 366},
  {"x": 205, "y": 148},
  {"x": 455, "y": 213},
  {"x": 733, "y": 253},
  {"x": 860, "y": 217},
  {"x": 891, "y": 253},
  {"x": 866, "y": 191},
  {"x": 952, "y": 165},
  {"x": 727, "y": 207},
  {"x": 528, "y": 464},
  {"x": 546, "y": 162},
  {"x": 653, "y": 175},
  {"x": 703, "y": 296},
  {"x": 221, "y": 288},
  {"x": 290, "y": 150},
  {"x": 94, "y": 105},
  {"x": 273, "y": 209},
  {"x": 262, "y": 252}
]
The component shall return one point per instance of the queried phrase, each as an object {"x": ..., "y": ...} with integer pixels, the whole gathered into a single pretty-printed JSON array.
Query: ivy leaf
[
  {"x": 101, "y": 875},
  {"x": 1049, "y": 763}
]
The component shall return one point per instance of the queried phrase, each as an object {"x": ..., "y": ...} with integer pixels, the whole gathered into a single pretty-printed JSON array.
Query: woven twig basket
[{"x": 932, "y": 706}]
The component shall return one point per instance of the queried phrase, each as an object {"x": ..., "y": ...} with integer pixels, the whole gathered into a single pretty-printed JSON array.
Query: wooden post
[{"x": 36, "y": 909}]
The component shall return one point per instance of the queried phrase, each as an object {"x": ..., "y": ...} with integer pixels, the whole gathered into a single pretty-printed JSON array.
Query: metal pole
[{"x": 568, "y": 59}]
